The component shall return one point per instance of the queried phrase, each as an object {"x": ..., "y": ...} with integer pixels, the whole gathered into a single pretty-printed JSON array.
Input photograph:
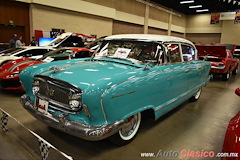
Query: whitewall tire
[{"x": 126, "y": 134}]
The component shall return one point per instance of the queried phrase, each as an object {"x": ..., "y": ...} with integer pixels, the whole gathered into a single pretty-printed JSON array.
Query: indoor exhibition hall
[{"x": 119, "y": 79}]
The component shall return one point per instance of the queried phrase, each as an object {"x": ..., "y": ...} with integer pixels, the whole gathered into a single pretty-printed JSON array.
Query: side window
[
  {"x": 82, "y": 54},
  {"x": 148, "y": 53},
  {"x": 37, "y": 52},
  {"x": 173, "y": 53},
  {"x": 25, "y": 54},
  {"x": 188, "y": 53}
]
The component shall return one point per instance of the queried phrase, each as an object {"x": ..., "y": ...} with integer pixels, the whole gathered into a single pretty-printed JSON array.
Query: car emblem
[{"x": 51, "y": 92}]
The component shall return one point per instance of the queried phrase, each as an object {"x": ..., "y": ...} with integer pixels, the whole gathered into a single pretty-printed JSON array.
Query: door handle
[{"x": 187, "y": 70}]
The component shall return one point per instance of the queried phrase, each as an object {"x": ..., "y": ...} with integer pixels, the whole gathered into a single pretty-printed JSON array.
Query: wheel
[
  {"x": 226, "y": 76},
  {"x": 129, "y": 132},
  {"x": 235, "y": 71},
  {"x": 196, "y": 96}
]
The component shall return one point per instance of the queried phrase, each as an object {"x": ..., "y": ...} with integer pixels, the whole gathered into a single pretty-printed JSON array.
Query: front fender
[{"x": 132, "y": 96}]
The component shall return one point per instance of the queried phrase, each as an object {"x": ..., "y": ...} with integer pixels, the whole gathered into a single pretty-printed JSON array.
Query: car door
[
  {"x": 174, "y": 76},
  {"x": 195, "y": 69}
]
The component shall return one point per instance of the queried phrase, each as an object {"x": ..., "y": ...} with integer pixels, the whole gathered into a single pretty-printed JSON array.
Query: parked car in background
[
  {"x": 232, "y": 138},
  {"x": 235, "y": 49},
  {"x": 236, "y": 52},
  {"x": 25, "y": 51},
  {"x": 67, "y": 39},
  {"x": 9, "y": 72},
  {"x": 104, "y": 96},
  {"x": 222, "y": 61}
]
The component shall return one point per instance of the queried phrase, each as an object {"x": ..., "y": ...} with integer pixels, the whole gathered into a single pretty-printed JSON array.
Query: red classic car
[
  {"x": 222, "y": 61},
  {"x": 231, "y": 143},
  {"x": 9, "y": 72}
]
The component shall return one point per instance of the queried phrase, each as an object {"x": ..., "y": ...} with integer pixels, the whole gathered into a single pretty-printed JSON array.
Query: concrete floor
[{"x": 193, "y": 126}]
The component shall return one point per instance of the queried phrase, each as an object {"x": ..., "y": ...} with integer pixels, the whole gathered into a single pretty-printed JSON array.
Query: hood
[
  {"x": 101, "y": 73},
  {"x": 211, "y": 50}
]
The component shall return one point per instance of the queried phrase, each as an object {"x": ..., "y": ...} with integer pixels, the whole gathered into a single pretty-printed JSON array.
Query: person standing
[
  {"x": 12, "y": 42},
  {"x": 19, "y": 42},
  {"x": 33, "y": 42}
]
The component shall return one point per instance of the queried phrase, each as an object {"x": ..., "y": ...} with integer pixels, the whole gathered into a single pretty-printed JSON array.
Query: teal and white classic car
[{"x": 103, "y": 96}]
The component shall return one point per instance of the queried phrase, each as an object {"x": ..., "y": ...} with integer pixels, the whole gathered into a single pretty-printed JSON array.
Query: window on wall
[
  {"x": 173, "y": 53},
  {"x": 188, "y": 53}
]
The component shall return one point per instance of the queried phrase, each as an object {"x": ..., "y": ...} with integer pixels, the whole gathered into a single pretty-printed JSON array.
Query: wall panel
[
  {"x": 204, "y": 38},
  {"x": 126, "y": 28},
  {"x": 18, "y": 12},
  {"x": 46, "y": 18},
  {"x": 152, "y": 30},
  {"x": 177, "y": 34}
]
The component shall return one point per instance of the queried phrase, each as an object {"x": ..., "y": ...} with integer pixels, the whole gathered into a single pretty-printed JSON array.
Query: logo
[{"x": 51, "y": 92}]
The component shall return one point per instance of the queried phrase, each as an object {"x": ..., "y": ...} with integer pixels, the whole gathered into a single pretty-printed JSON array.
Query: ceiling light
[
  {"x": 197, "y": 6},
  {"x": 202, "y": 10},
  {"x": 183, "y": 2}
]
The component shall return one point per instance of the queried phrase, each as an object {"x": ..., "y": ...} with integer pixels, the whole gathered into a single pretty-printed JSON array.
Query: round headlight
[
  {"x": 74, "y": 104},
  {"x": 35, "y": 86}
]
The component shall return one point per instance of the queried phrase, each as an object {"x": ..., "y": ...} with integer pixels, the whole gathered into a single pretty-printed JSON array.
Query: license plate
[{"x": 42, "y": 105}]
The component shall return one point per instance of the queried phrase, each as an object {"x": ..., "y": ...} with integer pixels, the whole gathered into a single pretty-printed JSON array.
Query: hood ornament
[{"x": 57, "y": 69}]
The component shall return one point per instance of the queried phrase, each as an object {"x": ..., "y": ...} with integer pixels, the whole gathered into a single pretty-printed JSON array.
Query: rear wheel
[
  {"x": 128, "y": 132},
  {"x": 226, "y": 76},
  {"x": 196, "y": 96}
]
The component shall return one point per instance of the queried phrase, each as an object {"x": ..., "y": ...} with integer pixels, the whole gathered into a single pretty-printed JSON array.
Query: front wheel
[
  {"x": 126, "y": 134},
  {"x": 226, "y": 76},
  {"x": 196, "y": 96},
  {"x": 235, "y": 71}
]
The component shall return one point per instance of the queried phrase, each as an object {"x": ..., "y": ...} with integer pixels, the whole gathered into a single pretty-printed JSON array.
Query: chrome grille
[
  {"x": 54, "y": 92},
  {"x": 57, "y": 92}
]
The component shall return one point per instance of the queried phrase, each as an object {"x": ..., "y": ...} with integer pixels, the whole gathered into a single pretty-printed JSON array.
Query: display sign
[
  {"x": 227, "y": 15},
  {"x": 215, "y": 17},
  {"x": 237, "y": 17},
  {"x": 122, "y": 53}
]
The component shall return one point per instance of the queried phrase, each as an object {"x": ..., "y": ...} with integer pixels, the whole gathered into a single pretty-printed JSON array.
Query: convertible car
[
  {"x": 231, "y": 143},
  {"x": 222, "y": 61},
  {"x": 105, "y": 95},
  {"x": 9, "y": 72}
]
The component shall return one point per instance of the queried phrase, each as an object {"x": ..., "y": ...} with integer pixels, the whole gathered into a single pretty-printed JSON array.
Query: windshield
[
  {"x": 11, "y": 51},
  {"x": 135, "y": 51},
  {"x": 59, "y": 54}
]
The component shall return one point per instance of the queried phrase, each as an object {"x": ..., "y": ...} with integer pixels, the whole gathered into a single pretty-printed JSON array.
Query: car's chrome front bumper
[{"x": 61, "y": 122}]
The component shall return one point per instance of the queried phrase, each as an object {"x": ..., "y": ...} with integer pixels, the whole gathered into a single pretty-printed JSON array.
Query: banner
[
  {"x": 237, "y": 17},
  {"x": 227, "y": 15},
  {"x": 215, "y": 17}
]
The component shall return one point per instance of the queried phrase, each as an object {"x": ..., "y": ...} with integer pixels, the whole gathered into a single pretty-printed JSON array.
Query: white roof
[
  {"x": 150, "y": 37},
  {"x": 37, "y": 47}
]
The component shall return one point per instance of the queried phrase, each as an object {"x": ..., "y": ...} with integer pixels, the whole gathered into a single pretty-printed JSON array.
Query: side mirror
[{"x": 150, "y": 63}]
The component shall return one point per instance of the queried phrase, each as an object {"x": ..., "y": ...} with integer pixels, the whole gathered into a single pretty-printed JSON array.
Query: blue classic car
[{"x": 104, "y": 96}]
